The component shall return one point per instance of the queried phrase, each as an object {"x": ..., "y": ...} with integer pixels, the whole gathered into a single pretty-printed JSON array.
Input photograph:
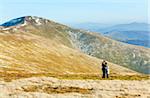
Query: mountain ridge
[
  {"x": 130, "y": 33},
  {"x": 93, "y": 44}
]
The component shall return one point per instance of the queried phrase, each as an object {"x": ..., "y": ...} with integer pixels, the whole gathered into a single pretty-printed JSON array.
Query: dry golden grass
[
  {"x": 128, "y": 96},
  {"x": 31, "y": 53},
  {"x": 40, "y": 55},
  {"x": 8, "y": 77},
  {"x": 28, "y": 55},
  {"x": 57, "y": 90}
]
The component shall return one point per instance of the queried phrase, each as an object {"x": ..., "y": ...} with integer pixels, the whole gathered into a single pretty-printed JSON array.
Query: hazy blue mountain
[
  {"x": 89, "y": 26},
  {"x": 127, "y": 27},
  {"x": 132, "y": 33}
]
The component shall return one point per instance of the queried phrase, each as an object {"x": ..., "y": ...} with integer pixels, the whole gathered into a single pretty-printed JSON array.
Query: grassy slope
[
  {"x": 36, "y": 54},
  {"x": 48, "y": 49},
  {"x": 28, "y": 54}
]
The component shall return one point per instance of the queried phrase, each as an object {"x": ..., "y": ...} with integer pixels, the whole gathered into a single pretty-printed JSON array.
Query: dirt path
[{"x": 47, "y": 87}]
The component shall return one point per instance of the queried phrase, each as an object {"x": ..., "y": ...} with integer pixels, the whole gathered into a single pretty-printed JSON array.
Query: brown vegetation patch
[
  {"x": 13, "y": 76},
  {"x": 57, "y": 90},
  {"x": 129, "y": 95}
]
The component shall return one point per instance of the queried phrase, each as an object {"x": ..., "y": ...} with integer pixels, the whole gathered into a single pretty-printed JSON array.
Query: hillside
[
  {"x": 28, "y": 53},
  {"x": 37, "y": 44}
]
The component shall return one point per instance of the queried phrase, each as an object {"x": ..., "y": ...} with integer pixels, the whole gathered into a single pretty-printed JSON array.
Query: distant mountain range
[
  {"x": 133, "y": 33},
  {"x": 35, "y": 44},
  {"x": 89, "y": 26}
]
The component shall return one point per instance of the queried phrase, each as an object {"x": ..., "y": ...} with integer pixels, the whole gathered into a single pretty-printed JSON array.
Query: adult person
[
  {"x": 103, "y": 69},
  {"x": 107, "y": 69}
]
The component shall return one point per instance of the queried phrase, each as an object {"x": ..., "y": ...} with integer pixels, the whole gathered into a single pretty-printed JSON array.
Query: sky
[{"x": 77, "y": 11}]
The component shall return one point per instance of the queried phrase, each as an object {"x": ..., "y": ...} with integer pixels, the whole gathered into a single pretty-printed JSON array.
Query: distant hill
[
  {"x": 133, "y": 33},
  {"x": 129, "y": 27},
  {"x": 34, "y": 44},
  {"x": 89, "y": 26}
]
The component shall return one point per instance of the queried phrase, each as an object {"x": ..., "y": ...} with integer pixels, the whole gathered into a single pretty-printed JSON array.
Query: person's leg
[
  {"x": 107, "y": 74},
  {"x": 103, "y": 73}
]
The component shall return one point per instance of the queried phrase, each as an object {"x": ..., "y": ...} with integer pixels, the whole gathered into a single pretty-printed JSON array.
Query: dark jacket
[{"x": 103, "y": 66}]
